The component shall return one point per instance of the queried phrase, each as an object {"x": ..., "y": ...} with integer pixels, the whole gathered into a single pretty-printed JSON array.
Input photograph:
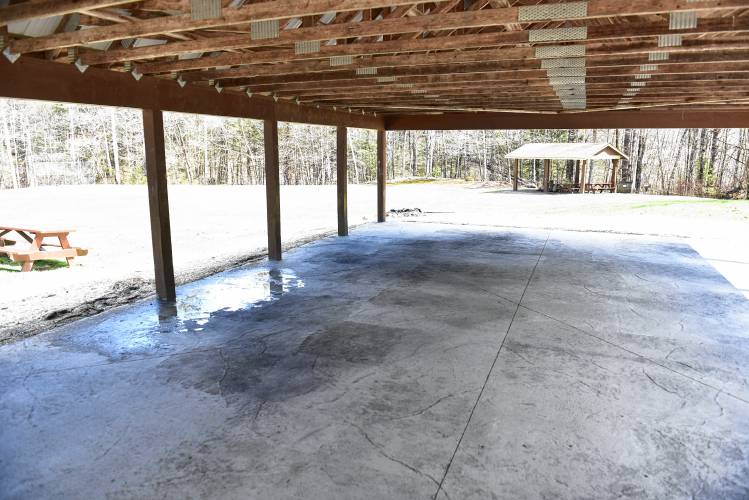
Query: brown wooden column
[
  {"x": 614, "y": 173},
  {"x": 516, "y": 175},
  {"x": 381, "y": 173},
  {"x": 577, "y": 172},
  {"x": 583, "y": 165},
  {"x": 342, "y": 179},
  {"x": 158, "y": 203},
  {"x": 272, "y": 189},
  {"x": 547, "y": 170}
]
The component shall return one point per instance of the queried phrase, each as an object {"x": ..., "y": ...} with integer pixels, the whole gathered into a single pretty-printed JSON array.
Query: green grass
[
  {"x": 665, "y": 203},
  {"x": 8, "y": 265}
]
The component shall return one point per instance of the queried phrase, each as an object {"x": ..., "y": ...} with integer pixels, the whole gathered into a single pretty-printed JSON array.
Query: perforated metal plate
[
  {"x": 563, "y": 62},
  {"x": 648, "y": 67},
  {"x": 643, "y": 76},
  {"x": 561, "y": 81},
  {"x": 366, "y": 71},
  {"x": 558, "y": 34},
  {"x": 558, "y": 11},
  {"x": 669, "y": 40},
  {"x": 550, "y": 51},
  {"x": 307, "y": 47},
  {"x": 658, "y": 56},
  {"x": 682, "y": 20},
  {"x": 341, "y": 60},
  {"x": 205, "y": 9},
  {"x": 263, "y": 30},
  {"x": 565, "y": 72},
  {"x": 637, "y": 84}
]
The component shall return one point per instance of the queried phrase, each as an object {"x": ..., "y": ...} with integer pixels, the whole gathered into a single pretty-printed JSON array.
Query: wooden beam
[
  {"x": 381, "y": 174},
  {"x": 669, "y": 118},
  {"x": 272, "y": 188},
  {"x": 583, "y": 167},
  {"x": 30, "y": 78},
  {"x": 516, "y": 175},
  {"x": 547, "y": 171},
  {"x": 47, "y": 8},
  {"x": 342, "y": 179},
  {"x": 615, "y": 174},
  {"x": 508, "y": 59},
  {"x": 275, "y": 9},
  {"x": 158, "y": 203},
  {"x": 645, "y": 32},
  {"x": 279, "y": 9}
]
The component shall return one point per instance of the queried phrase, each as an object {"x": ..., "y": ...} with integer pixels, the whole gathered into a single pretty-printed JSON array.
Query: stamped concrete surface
[{"x": 409, "y": 360}]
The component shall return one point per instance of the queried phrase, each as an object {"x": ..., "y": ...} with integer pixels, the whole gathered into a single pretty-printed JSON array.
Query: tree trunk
[{"x": 115, "y": 146}]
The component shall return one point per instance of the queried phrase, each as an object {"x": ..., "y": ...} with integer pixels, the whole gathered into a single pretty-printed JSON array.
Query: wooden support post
[
  {"x": 577, "y": 172},
  {"x": 158, "y": 203},
  {"x": 547, "y": 169},
  {"x": 583, "y": 164},
  {"x": 516, "y": 175},
  {"x": 342, "y": 180},
  {"x": 614, "y": 174},
  {"x": 272, "y": 188},
  {"x": 381, "y": 173}
]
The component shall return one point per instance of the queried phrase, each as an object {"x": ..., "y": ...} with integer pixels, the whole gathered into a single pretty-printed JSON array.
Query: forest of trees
[{"x": 49, "y": 144}]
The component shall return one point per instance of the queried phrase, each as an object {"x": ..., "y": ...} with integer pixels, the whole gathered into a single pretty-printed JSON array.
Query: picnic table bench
[
  {"x": 599, "y": 188},
  {"x": 38, "y": 249}
]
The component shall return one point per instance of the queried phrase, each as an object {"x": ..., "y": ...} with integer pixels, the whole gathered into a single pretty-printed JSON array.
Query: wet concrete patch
[{"x": 355, "y": 342}]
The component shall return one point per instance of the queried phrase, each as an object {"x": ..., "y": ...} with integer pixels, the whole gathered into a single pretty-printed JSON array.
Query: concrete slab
[{"x": 409, "y": 360}]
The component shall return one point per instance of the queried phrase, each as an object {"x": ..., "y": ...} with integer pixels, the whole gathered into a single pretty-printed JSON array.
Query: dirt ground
[{"x": 215, "y": 227}]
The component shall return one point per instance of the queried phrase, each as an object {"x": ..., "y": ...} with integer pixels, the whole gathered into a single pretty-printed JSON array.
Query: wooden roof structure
[
  {"x": 566, "y": 151},
  {"x": 392, "y": 64}
]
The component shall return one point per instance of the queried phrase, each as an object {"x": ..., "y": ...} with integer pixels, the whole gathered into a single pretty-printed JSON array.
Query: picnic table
[
  {"x": 599, "y": 188},
  {"x": 38, "y": 249}
]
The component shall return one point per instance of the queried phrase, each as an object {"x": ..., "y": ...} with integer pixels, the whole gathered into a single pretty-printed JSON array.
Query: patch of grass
[
  {"x": 665, "y": 203},
  {"x": 9, "y": 266}
]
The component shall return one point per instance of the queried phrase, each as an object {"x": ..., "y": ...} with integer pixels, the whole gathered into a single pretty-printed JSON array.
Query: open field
[{"x": 214, "y": 227}]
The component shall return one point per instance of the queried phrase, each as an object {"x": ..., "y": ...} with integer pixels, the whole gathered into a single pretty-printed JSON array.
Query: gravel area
[{"x": 216, "y": 227}]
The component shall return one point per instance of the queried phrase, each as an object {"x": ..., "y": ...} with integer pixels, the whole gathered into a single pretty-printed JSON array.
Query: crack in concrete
[
  {"x": 223, "y": 375},
  {"x": 625, "y": 349},
  {"x": 425, "y": 409},
  {"x": 393, "y": 459},
  {"x": 491, "y": 369},
  {"x": 659, "y": 385}
]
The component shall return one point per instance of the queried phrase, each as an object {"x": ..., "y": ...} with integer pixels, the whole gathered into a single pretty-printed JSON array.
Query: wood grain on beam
[
  {"x": 342, "y": 179},
  {"x": 158, "y": 203},
  {"x": 46, "y": 8},
  {"x": 381, "y": 174},
  {"x": 272, "y": 188},
  {"x": 583, "y": 120},
  {"x": 275, "y": 9},
  {"x": 291, "y": 8},
  {"x": 30, "y": 78}
]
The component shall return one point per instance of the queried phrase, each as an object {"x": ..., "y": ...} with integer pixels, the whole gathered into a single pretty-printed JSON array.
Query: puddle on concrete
[
  {"x": 150, "y": 327},
  {"x": 242, "y": 290}
]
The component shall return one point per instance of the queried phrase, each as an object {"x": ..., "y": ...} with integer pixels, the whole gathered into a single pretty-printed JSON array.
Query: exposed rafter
[{"x": 391, "y": 57}]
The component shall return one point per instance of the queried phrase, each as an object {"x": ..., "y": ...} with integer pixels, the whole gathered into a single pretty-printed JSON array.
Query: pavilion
[
  {"x": 382, "y": 65},
  {"x": 410, "y": 360},
  {"x": 583, "y": 154}
]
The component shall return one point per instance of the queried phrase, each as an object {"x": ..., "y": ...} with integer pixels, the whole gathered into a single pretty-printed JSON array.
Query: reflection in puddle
[
  {"x": 230, "y": 292},
  {"x": 135, "y": 329}
]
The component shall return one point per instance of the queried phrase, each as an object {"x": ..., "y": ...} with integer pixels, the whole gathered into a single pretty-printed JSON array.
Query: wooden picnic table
[
  {"x": 599, "y": 188},
  {"x": 38, "y": 249}
]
